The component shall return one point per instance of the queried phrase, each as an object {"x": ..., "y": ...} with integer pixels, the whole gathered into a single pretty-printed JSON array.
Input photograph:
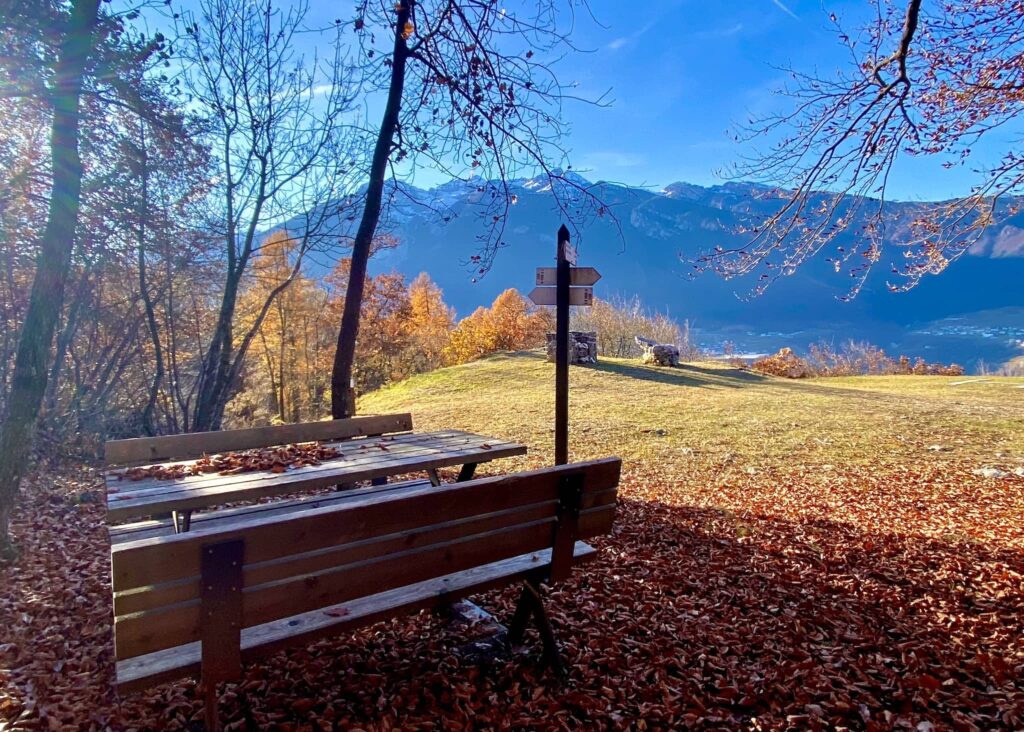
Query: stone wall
[{"x": 582, "y": 347}]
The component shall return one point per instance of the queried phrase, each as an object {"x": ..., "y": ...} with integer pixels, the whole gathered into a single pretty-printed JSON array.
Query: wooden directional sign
[
  {"x": 578, "y": 276},
  {"x": 548, "y": 296}
]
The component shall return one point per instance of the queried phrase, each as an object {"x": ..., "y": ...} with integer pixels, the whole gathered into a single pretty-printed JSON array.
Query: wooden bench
[
  {"x": 140, "y": 450},
  {"x": 154, "y": 527},
  {"x": 208, "y": 600},
  {"x": 166, "y": 448}
]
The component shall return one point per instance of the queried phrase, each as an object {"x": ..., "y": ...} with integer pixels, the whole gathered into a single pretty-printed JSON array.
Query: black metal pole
[{"x": 562, "y": 350}]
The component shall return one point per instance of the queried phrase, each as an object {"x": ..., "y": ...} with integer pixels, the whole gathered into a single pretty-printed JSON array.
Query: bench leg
[
  {"x": 379, "y": 481},
  {"x": 210, "y": 716},
  {"x": 220, "y": 632},
  {"x": 182, "y": 521},
  {"x": 530, "y": 603},
  {"x": 435, "y": 479},
  {"x": 467, "y": 472}
]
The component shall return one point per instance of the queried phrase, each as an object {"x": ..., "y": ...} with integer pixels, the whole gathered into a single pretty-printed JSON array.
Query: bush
[
  {"x": 853, "y": 359},
  {"x": 784, "y": 363},
  {"x": 618, "y": 321}
]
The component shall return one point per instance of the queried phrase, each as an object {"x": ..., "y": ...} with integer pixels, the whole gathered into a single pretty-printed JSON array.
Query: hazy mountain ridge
[{"x": 660, "y": 230}]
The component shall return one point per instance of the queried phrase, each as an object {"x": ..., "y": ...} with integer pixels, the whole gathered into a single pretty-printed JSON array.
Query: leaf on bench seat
[
  {"x": 275, "y": 459},
  {"x": 337, "y": 612}
]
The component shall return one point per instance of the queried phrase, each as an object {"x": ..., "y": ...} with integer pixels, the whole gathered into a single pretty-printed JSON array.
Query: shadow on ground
[
  {"x": 686, "y": 375},
  {"x": 694, "y": 617}
]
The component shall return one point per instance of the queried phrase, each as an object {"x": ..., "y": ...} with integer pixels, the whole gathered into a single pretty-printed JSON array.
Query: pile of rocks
[{"x": 582, "y": 347}]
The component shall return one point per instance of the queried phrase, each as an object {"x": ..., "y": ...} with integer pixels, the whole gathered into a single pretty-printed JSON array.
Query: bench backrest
[
  {"x": 314, "y": 559},
  {"x": 197, "y": 444}
]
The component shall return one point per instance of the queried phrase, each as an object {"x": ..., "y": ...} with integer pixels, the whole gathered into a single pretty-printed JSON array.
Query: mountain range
[{"x": 972, "y": 313}]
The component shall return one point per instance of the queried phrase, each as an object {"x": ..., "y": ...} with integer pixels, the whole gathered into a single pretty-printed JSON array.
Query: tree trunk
[
  {"x": 342, "y": 399},
  {"x": 28, "y": 384},
  {"x": 148, "y": 420},
  {"x": 215, "y": 381}
]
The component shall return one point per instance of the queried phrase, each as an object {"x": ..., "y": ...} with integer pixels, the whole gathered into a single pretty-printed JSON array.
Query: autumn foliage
[
  {"x": 853, "y": 359},
  {"x": 406, "y": 329},
  {"x": 510, "y": 324}
]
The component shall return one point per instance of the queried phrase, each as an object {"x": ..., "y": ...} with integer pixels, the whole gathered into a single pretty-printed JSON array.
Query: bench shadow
[
  {"x": 687, "y": 374},
  {"x": 693, "y": 614}
]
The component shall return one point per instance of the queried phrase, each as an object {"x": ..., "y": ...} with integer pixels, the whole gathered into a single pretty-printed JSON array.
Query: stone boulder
[
  {"x": 582, "y": 347},
  {"x": 659, "y": 354}
]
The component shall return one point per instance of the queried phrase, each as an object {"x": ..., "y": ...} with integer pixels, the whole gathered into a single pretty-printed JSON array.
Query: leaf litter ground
[{"x": 733, "y": 593}]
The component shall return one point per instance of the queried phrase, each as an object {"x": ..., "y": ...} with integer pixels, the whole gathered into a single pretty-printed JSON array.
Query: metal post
[{"x": 562, "y": 350}]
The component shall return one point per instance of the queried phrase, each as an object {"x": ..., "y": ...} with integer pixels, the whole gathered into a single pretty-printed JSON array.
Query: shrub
[
  {"x": 853, "y": 359},
  {"x": 617, "y": 322},
  {"x": 784, "y": 363}
]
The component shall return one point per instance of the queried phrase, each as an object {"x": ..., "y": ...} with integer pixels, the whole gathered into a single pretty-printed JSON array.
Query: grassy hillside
[{"x": 713, "y": 419}]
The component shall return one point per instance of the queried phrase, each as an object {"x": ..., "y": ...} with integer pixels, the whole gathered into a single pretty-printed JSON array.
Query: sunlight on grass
[{"x": 709, "y": 416}]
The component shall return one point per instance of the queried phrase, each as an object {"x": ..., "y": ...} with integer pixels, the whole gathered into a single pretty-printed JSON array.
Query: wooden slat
[
  {"x": 145, "y": 671},
  {"x": 195, "y": 444},
  {"x": 132, "y": 505},
  {"x": 153, "y": 561},
  {"x": 353, "y": 452},
  {"x": 152, "y": 528},
  {"x": 308, "y": 563},
  {"x": 304, "y": 479},
  {"x": 143, "y": 633}
]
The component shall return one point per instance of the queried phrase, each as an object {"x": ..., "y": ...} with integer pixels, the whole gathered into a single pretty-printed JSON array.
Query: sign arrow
[
  {"x": 577, "y": 296},
  {"x": 578, "y": 276}
]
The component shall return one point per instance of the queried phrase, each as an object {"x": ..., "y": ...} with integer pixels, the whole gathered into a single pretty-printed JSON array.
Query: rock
[
  {"x": 1019, "y": 472},
  {"x": 991, "y": 473},
  {"x": 939, "y": 448},
  {"x": 660, "y": 354},
  {"x": 582, "y": 347}
]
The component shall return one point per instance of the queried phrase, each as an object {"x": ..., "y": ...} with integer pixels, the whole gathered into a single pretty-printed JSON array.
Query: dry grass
[{"x": 714, "y": 419}]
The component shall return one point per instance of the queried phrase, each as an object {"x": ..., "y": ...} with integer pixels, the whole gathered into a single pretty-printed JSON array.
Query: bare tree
[
  {"x": 28, "y": 382},
  {"x": 926, "y": 80},
  {"x": 470, "y": 91},
  {"x": 276, "y": 126}
]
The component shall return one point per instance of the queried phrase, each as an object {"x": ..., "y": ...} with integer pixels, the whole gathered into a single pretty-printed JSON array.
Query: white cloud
[
  {"x": 783, "y": 7},
  {"x": 722, "y": 32},
  {"x": 625, "y": 40}
]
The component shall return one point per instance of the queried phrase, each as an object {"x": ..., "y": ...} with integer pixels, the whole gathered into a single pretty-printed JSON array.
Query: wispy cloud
[
  {"x": 784, "y": 8},
  {"x": 726, "y": 32},
  {"x": 618, "y": 43}
]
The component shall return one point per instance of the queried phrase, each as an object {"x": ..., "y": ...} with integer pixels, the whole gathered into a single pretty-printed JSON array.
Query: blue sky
[{"x": 681, "y": 73}]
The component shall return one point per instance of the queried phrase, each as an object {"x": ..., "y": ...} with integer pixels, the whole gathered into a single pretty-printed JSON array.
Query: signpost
[
  {"x": 578, "y": 276},
  {"x": 548, "y": 296},
  {"x": 571, "y": 287}
]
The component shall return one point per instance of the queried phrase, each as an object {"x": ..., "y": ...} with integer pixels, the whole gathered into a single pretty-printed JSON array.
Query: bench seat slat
[
  {"x": 153, "y": 528},
  {"x": 195, "y": 444},
  {"x": 145, "y": 671},
  {"x": 355, "y": 452},
  {"x": 124, "y": 507}
]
